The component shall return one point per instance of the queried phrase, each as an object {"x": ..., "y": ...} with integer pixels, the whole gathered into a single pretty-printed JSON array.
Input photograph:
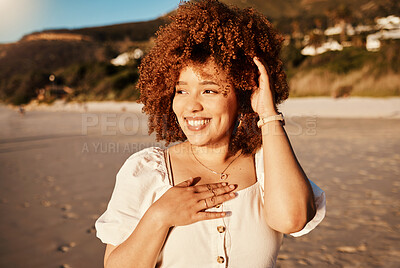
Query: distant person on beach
[
  {"x": 21, "y": 110},
  {"x": 229, "y": 188}
]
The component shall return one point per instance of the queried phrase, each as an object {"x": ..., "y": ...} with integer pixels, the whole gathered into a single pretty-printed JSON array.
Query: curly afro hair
[{"x": 231, "y": 37}]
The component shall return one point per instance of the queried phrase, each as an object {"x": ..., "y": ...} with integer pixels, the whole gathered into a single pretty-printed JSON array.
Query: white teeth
[{"x": 196, "y": 123}]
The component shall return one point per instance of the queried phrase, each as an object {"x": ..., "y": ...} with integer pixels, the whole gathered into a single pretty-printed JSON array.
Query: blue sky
[{"x": 20, "y": 17}]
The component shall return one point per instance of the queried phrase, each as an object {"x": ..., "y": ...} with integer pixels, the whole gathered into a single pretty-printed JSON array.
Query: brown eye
[{"x": 180, "y": 91}]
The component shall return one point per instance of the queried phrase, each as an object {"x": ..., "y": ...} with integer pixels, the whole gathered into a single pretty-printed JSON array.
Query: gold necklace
[{"x": 222, "y": 175}]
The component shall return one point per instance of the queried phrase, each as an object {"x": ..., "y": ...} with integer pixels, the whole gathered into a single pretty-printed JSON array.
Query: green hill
[{"x": 26, "y": 65}]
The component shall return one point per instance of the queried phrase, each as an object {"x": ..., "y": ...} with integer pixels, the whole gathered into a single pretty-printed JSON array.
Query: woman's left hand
[{"x": 262, "y": 100}]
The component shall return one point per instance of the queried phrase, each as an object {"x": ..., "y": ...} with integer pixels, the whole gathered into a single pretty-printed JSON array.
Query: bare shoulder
[{"x": 182, "y": 168}]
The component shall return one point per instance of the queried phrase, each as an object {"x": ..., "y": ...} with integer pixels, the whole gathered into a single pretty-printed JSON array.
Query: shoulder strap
[{"x": 169, "y": 167}]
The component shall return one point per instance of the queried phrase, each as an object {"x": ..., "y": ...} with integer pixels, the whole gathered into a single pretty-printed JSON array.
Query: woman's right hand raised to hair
[{"x": 184, "y": 204}]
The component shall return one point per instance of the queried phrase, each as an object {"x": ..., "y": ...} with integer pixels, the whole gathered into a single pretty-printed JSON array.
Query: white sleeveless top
[{"x": 241, "y": 239}]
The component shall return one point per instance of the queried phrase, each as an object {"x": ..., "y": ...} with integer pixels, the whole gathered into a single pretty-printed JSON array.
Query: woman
[{"x": 224, "y": 196}]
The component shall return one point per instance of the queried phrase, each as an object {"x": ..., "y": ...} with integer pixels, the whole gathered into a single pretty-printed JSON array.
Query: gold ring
[
  {"x": 213, "y": 192},
  {"x": 213, "y": 199}
]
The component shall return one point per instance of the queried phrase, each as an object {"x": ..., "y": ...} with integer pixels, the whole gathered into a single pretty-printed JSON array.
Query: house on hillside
[
  {"x": 345, "y": 35},
  {"x": 331, "y": 45},
  {"x": 341, "y": 28},
  {"x": 124, "y": 58},
  {"x": 389, "y": 28}
]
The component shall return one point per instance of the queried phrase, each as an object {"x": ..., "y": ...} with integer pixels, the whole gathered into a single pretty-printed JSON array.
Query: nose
[{"x": 194, "y": 104}]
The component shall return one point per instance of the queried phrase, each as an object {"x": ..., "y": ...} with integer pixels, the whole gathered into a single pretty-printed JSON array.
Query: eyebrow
[{"x": 180, "y": 83}]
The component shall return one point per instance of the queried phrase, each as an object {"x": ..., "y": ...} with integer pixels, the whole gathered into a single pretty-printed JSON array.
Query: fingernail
[
  {"x": 232, "y": 194},
  {"x": 228, "y": 213},
  {"x": 224, "y": 184},
  {"x": 232, "y": 186}
]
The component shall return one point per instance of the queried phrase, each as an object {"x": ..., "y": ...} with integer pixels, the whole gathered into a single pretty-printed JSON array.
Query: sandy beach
[
  {"x": 354, "y": 107},
  {"x": 58, "y": 167}
]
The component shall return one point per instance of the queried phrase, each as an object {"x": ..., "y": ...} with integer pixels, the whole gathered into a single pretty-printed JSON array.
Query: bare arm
[
  {"x": 180, "y": 205},
  {"x": 141, "y": 248},
  {"x": 289, "y": 202},
  {"x": 288, "y": 195}
]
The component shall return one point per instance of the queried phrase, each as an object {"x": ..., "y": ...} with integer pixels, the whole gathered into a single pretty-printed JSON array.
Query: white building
[
  {"x": 364, "y": 28},
  {"x": 124, "y": 58},
  {"x": 339, "y": 28},
  {"x": 389, "y": 22},
  {"x": 331, "y": 45},
  {"x": 374, "y": 40},
  {"x": 335, "y": 30},
  {"x": 390, "y": 29}
]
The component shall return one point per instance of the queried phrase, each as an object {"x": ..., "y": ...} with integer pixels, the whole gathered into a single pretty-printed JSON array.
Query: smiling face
[{"x": 205, "y": 105}]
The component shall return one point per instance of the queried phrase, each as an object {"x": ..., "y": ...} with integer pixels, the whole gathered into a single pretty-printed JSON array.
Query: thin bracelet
[{"x": 264, "y": 120}]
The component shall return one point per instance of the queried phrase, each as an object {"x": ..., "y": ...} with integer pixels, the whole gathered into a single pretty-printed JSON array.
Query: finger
[
  {"x": 264, "y": 78},
  {"x": 216, "y": 192},
  {"x": 185, "y": 183},
  {"x": 207, "y": 215},
  {"x": 261, "y": 67},
  {"x": 208, "y": 187},
  {"x": 214, "y": 200}
]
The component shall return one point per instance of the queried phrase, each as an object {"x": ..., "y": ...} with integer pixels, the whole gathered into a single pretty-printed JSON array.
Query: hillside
[
  {"x": 351, "y": 72},
  {"x": 137, "y": 31},
  {"x": 360, "y": 9},
  {"x": 306, "y": 13},
  {"x": 80, "y": 58},
  {"x": 26, "y": 65}
]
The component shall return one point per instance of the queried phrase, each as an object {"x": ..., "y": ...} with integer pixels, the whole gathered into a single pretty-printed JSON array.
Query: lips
[{"x": 197, "y": 123}]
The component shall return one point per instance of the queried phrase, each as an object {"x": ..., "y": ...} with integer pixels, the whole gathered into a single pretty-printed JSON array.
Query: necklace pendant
[{"x": 223, "y": 176}]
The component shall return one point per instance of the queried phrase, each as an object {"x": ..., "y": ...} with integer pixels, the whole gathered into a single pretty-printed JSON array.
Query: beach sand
[
  {"x": 354, "y": 107},
  {"x": 58, "y": 170}
]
